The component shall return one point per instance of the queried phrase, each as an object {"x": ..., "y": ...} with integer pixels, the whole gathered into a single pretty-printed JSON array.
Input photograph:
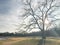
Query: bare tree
[{"x": 39, "y": 15}]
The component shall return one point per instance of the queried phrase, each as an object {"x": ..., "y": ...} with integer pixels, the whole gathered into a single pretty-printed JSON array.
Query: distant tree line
[
  {"x": 55, "y": 32},
  {"x": 19, "y": 34}
]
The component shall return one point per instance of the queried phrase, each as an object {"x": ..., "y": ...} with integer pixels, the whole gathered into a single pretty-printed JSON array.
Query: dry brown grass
[
  {"x": 28, "y": 40},
  {"x": 12, "y": 40}
]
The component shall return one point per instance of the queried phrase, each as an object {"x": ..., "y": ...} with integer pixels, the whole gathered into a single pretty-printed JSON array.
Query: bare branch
[{"x": 43, "y": 12}]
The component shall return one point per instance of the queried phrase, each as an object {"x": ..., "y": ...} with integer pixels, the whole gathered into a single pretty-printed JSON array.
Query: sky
[
  {"x": 8, "y": 15},
  {"x": 9, "y": 11}
]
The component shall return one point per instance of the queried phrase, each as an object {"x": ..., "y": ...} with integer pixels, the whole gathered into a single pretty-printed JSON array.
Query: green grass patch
[{"x": 1, "y": 42}]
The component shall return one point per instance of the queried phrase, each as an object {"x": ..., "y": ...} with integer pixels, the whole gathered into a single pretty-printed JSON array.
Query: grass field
[{"x": 28, "y": 41}]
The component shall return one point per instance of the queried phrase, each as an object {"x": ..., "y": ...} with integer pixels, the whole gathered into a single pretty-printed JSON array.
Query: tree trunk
[{"x": 43, "y": 38}]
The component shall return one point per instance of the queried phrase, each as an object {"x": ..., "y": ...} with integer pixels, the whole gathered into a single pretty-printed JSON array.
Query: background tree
[{"x": 39, "y": 15}]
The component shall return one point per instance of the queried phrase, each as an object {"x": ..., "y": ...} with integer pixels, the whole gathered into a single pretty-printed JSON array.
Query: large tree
[{"x": 39, "y": 14}]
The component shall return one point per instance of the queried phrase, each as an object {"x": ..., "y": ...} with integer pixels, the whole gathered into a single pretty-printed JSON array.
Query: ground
[{"x": 29, "y": 41}]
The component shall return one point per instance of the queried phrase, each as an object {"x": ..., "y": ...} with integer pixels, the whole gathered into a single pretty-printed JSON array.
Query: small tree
[{"x": 39, "y": 15}]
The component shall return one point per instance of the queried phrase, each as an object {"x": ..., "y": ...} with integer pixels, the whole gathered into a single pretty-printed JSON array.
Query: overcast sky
[
  {"x": 9, "y": 11},
  {"x": 8, "y": 15}
]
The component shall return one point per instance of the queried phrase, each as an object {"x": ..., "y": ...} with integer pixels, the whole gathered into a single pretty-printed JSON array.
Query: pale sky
[
  {"x": 9, "y": 11},
  {"x": 8, "y": 15}
]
